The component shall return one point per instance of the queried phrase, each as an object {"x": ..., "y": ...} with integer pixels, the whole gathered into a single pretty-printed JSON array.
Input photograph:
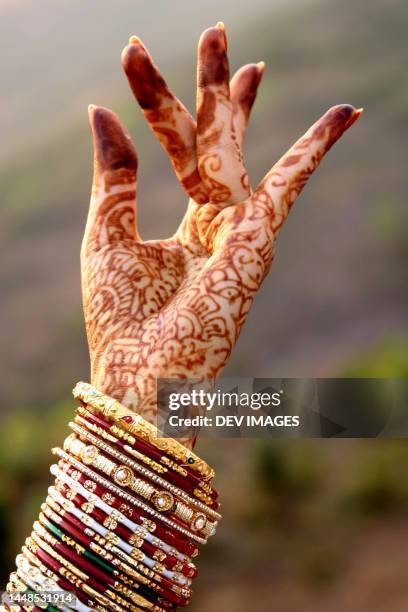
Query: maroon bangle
[
  {"x": 56, "y": 566},
  {"x": 172, "y": 538},
  {"x": 97, "y": 579},
  {"x": 66, "y": 585},
  {"x": 164, "y": 588},
  {"x": 156, "y": 588},
  {"x": 188, "y": 569},
  {"x": 190, "y": 482}
]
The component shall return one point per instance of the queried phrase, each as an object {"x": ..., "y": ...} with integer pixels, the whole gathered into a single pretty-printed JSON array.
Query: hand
[{"x": 174, "y": 308}]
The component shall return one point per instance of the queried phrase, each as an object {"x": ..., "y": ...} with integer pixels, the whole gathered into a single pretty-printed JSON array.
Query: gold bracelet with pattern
[
  {"x": 122, "y": 475},
  {"x": 74, "y": 579},
  {"x": 135, "y": 559},
  {"x": 125, "y": 589},
  {"x": 94, "y": 533},
  {"x": 134, "y": 423},
  {"x": 133, "y": 465},
  {"x": 116, "y": 595},
  {"x": 125, "y": 436},
  {"x": 83, "y": 422},
  {"x": 46, "y": 571},
  {"x": 103, "y": 545}
]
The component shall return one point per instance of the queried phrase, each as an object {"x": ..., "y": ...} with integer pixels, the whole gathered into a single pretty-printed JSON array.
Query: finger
[
  {"x": 284, "y": 182},
  {"x": 219, "y": 155},
  {"x": 168, "y": 118},
  {"x": 243, "y": 89},
  {"x": 112, "y": 212}
]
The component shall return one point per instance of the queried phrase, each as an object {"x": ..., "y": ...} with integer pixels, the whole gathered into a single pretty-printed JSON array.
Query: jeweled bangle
[
  {"x": 144, "y": 471},
  {"x": 17, "y": 585},
  {"x": 164, "y": 501},
  {"x": 114, "y": 410},
  {"x": 130, "y": 531},
  {"x": 162, "y": 593},
  {"x": 172, "y": 593},
  {"x": 125, "y": 586},
  {"x": 112, "y": 542},
  {"x": 104, "y": 588},
  {"x": 116, "y": 550},
  {"x": 114, "y": 520},
  {"x": 126, "y": 496},
  {"x": 57, "y": 566},
  {"x": 136, "y": 553},
  {"x": 181, "y": 476},
  {"x": 148, "y": 589},
  {"x": 144, "y": 527},
  {"x": 35, "y": 579},
  {"x": 63, "y": 584}
]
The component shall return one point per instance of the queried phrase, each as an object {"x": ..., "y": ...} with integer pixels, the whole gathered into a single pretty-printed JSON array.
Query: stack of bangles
[{"x": 121, "y": 524}]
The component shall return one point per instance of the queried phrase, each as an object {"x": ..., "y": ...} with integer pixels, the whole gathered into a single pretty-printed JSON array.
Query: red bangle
[
  {"x": 189, "y": 483},
  {"x": 188, "y": 569},
  {"x": 155, "y": 588},
  {"x": 164, "y": 533}
]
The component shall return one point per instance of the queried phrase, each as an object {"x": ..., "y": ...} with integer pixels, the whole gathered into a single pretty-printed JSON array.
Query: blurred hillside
[{"x": 316, "y": 519}]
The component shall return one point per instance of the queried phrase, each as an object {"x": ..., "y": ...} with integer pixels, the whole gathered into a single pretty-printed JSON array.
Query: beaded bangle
[
  {"x": 163, "y": 501},
  {"x": 140, "y": 536},
  {"x": 136, "y": 553},
  {"x": 73, "y": 578},
  {"x": 149, "y": 589},
  {"x": 182, "y": 476},
  {"x": 144, "y": 527},
  {"x": 144, "y": 471},
  {"x": 134, "y": 423},
  {"x": 114, "y": 520},
  {"x": 130, "y": 498}
]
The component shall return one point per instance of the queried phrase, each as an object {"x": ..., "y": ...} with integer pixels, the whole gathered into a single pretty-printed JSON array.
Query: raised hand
[{"x": 174, "y": 308}]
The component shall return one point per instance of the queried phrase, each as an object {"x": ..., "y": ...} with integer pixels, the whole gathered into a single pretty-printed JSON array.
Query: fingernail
[
  {"x": 261, "y": 66},
  {"x": 220, "y": 26},
  {"x": 134, "y": 40},
  {"x": 353, "y": 118}
]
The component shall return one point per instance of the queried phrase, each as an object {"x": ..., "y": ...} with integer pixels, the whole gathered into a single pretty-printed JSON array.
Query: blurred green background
[{"x": 309, "y": 525}]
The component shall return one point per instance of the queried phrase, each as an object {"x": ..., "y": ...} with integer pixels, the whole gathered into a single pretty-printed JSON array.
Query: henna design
[
  {"x": 220, "y": 161},
  {"x": 174, "y": 308}
]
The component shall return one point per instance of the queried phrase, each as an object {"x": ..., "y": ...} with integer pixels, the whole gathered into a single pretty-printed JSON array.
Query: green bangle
[{"x": 87, "y": 553}]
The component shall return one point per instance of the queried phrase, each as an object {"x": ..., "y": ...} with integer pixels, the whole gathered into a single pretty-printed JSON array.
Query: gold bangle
[
  {"x": 121, "y": 588},
  {"x": 109, "y": 604},
  {"x": 134, "y": 423},
  {"x": 84, "y": 577},
  {"x": 102, "y": 545},
  {"x": 164, "y": 501},
  {"x": 104, "y": 446},
  {"x": 26, "y": 552},
  {"x": 204, "y": 491},
  {"x": 160, "y": 469},
  {"x": 111, "y": 540},
  {"x": 127, "y": 496}
]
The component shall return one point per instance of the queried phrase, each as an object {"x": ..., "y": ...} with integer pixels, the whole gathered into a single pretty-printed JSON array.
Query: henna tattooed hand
[{"x": 174, "y": 308}]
